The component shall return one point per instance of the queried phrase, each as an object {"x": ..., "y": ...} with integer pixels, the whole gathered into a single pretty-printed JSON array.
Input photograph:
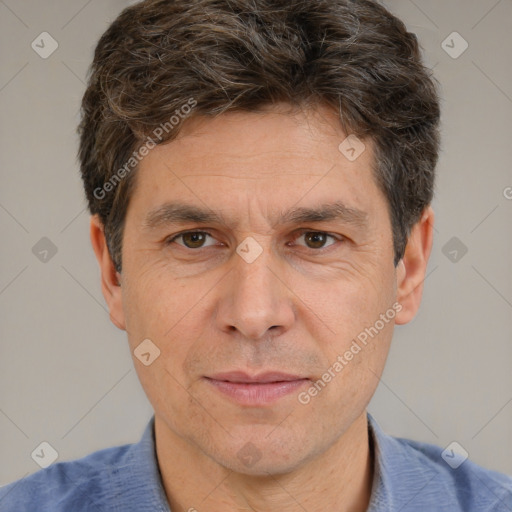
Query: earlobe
[
  {"x": 110, "y": 278},
  {"x": 411, "y": 269}
]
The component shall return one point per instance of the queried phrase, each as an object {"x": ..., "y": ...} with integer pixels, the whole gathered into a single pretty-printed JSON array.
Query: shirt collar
[
  {"x": 137, "y": 482},
  {"x": 401, "y": 476}
]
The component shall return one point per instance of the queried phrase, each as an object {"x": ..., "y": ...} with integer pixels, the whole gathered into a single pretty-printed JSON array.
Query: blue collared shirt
[{"x": 409, "y": 477}]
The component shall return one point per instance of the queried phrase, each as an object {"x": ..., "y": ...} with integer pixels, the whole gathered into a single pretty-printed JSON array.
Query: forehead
[
  {"x": 270, "y": 161},
  {"x": 273, "y": 138}
]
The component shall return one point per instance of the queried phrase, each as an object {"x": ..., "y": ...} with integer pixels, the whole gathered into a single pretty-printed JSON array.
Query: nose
[{"x": 255, "y": 299}]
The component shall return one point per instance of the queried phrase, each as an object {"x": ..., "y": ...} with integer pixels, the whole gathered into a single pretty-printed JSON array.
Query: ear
[
  {"x": 412, "y": 267},
  {"x": 110, "y": 279}
]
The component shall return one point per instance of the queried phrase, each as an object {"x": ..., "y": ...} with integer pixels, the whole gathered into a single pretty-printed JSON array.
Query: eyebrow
[{"x": 180, "y": 213}]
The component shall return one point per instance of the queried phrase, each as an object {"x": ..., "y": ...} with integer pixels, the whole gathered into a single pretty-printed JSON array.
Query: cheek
[
  {"x": 349, "y": 304},
  {"x": 155, "y": 302},
  {"x": 177, "y": 316},
  {"x": 349, "y": 379},
  {"x": 361, "y": 338}
]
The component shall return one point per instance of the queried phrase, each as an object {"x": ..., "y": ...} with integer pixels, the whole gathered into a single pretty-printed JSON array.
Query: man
[{"x": 260, "y": 175}]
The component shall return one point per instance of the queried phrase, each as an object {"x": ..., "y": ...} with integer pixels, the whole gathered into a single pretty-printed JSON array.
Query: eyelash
[{"x": 301, "y": 232}]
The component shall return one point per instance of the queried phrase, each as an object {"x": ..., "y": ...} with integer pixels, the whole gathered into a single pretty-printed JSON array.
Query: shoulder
[
  {"x": 470, "y": 486},
  {"x": 421, "y": 476},
  {"x": 83, "y": 484}
]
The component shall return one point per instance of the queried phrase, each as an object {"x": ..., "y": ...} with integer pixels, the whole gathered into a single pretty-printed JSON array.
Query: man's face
[{"x": 290, "y": 301}]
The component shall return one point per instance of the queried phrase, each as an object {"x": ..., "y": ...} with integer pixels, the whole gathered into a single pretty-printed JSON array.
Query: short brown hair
[{"x": 241, "y": 55}]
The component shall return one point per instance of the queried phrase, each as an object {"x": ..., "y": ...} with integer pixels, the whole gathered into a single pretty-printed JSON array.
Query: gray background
[{"x": 66, "y": 375}]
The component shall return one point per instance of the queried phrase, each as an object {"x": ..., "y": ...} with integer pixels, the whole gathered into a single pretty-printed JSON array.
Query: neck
[{"x": 339, "y": 478}]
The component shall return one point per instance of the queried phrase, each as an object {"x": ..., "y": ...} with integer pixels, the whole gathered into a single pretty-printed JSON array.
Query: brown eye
[
  {"x": 316, "y": 239},
  {"x": 191, "y": 239}
]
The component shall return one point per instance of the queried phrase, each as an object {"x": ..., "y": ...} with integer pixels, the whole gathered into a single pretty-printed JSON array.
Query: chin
[
  {"x": 264, "y": 468},
  {"x": 266, "y": 453}
]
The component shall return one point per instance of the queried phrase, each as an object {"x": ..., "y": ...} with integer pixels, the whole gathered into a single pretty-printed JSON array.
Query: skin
[{"x": 295, "y": 309}]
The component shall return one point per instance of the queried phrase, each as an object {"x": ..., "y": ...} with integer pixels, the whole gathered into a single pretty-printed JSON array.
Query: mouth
[{"x": 256, "y": 390}]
